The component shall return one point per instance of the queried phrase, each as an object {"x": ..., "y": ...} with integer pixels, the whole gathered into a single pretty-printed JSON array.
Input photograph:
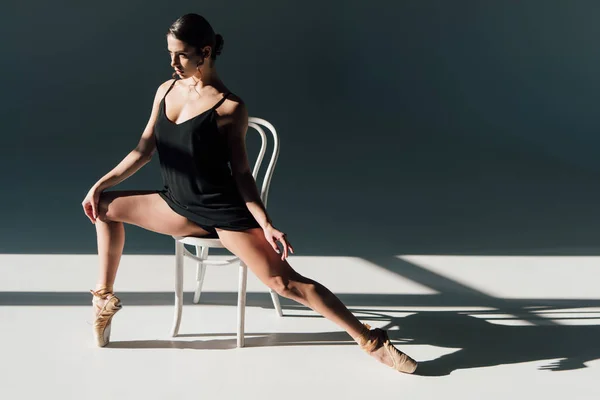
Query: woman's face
[{"x": 183, "y": 57}]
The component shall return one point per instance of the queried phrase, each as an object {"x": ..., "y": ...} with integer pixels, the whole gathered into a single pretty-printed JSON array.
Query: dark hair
[{"x": 195, "y": 30}]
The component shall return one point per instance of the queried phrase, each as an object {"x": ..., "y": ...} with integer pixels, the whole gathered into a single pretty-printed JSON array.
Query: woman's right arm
[
  {"x": 141, "y": 154},
  {"x": 132, "y": 162}
]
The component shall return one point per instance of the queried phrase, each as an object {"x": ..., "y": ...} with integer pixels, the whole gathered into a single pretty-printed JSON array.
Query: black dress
[{"x": 194, "y": 163}]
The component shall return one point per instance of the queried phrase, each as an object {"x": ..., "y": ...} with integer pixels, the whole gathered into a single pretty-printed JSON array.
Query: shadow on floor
[
  {"x": 484, "y": 344},
  {"x": 479, "y": 342}
]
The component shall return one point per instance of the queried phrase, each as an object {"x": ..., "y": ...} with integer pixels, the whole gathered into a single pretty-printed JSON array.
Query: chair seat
[{"x": 199, "y": 241}]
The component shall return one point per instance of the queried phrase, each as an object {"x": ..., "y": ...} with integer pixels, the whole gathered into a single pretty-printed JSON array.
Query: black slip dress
[{"x": 194, "y": 163}]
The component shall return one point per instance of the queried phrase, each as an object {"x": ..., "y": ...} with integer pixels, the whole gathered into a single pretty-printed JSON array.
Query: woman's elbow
[{"x": 144, "y": 155}]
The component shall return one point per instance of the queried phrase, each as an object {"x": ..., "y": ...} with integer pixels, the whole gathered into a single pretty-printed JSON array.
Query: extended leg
[{"x": 253, "y": 249}]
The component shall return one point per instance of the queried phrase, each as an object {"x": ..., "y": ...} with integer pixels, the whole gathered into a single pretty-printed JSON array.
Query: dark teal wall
[{"x": 406, "y": 126}]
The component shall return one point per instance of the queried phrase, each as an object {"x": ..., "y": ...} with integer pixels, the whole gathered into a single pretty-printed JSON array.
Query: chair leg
[
  {"x": 201, "y": 252},
  {"x": 276, "y": 304},
  {"x": 178, "y": 287},
  {"x": 243, "y": 274}
]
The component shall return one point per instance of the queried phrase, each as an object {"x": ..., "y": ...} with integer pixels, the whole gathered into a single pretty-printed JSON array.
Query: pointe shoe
[
  {"x": 104, "y": 314},
  {"x": 400, "y": 361}
]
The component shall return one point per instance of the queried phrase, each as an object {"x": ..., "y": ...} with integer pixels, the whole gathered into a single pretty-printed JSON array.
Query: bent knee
[
  {"x": 279, "y": 284},
  {"x": 106, "y": 211},
  {"x": 290, "y": 288}
]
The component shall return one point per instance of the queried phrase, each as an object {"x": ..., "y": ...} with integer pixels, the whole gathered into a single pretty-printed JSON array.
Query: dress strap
[
  {"x": 221, "y": 101},
  {"x": 170, "y": 87}
]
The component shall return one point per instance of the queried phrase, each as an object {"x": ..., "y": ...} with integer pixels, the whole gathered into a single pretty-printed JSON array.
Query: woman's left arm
[{"x": 234, "y": 127}]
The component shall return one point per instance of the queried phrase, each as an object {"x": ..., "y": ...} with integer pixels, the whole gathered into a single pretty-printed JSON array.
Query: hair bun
[{"x": 218, "y": 44}]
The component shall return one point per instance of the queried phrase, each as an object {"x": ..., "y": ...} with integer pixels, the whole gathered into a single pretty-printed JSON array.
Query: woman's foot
[
  {"x": 106, "y": 305},
  {"x": 377, "y": 344}
]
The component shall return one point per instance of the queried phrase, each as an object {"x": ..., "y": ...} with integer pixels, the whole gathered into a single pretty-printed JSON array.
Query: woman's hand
[
  {"x": 273, "y": 235},
  {"x": 90, "y": 203}
]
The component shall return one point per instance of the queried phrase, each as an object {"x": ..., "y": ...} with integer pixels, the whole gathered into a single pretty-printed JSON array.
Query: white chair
[{"x": 203, "y": 245}]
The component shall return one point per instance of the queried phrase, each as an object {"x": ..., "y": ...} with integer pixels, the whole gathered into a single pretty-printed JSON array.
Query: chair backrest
[{"x": 258, "y": 124}]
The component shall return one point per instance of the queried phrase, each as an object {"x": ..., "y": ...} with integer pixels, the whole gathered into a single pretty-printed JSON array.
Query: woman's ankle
[
  {"x": 104, "y": 288},
  {"x": 364, "y": 336}
]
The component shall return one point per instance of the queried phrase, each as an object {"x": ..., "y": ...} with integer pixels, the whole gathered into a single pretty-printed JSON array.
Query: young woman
[{"x": 198, "y": 127}]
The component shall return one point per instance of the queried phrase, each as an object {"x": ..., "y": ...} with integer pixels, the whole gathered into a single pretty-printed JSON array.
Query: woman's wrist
[
  {"x": 264, "y": 224},
  {"x": 100, "y": 186}
]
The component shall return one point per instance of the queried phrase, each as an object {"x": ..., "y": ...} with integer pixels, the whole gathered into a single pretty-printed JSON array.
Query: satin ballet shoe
[
  {"x": 103, "y": 315},
  {"x": 370, "y": 340}
]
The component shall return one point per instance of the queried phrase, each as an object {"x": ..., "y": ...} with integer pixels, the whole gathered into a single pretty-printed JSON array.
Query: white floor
[{"x": 481, "y": 327}]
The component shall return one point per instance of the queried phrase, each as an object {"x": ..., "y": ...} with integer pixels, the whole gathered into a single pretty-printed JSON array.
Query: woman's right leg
[{"x": 145, "y": 209}]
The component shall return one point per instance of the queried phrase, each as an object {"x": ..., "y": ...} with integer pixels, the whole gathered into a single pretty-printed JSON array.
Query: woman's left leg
[{"x": 252, "y": 248}]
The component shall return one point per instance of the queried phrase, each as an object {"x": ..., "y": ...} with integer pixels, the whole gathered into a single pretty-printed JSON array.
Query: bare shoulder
[
  {"x": 163, "y": 87},
  {"x": 233, "y": 108}
]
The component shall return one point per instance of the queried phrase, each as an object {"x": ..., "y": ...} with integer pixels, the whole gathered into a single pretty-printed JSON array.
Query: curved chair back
[{"x": 258, "y": 124}]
